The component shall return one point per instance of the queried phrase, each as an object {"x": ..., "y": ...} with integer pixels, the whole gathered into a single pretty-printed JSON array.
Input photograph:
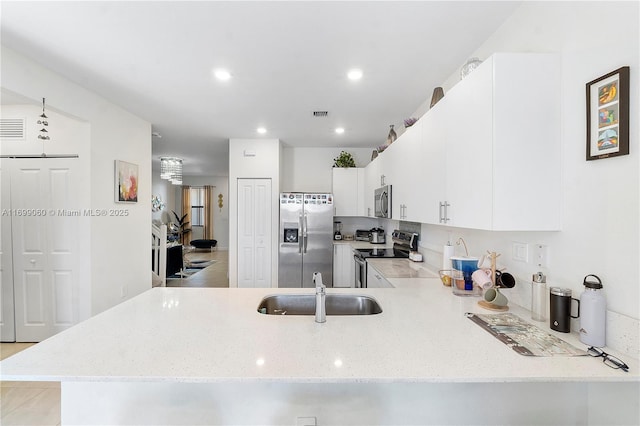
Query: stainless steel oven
[
  {"x": 403, "y": 243},
  {"x": 361, "y": 271}
]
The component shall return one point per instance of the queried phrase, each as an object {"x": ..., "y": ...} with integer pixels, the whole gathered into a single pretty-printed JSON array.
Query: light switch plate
[{"x": 520, "y": 252}]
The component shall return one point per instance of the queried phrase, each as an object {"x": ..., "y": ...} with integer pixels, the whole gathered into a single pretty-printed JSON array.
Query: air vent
[
  {"x": 320, "y": 113},
  {"x": 12, "y": 128}
]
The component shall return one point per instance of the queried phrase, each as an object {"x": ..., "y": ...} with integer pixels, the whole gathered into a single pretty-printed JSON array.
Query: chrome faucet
[{"x": 321, "y": 310}]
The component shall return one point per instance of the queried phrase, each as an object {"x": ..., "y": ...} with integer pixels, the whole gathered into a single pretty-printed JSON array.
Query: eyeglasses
[{"x": 609, "y": 361}]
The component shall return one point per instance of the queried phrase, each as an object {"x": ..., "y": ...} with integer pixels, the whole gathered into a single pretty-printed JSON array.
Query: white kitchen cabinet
[
  {"x": 343, "y": 266},
  {"x": 405, "y": 161},
  {"x": 502, "y": 146},
  {"x": 348, "y": 191},
  {"x": 375, "y": 279},
  {"x": 372, "y": 174},
  {"x": 433, "y": 172},
  {"x": 378, "y": 173}
]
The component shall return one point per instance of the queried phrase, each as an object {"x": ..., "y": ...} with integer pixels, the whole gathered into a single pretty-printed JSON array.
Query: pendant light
[
  {"x": 171, "y": 169},
  {"x": 43, "y": 121}
]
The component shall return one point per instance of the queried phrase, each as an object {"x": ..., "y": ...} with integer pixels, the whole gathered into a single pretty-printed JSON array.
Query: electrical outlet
[
  {"x": 123, "y": 291},
  {"x": 520, "y": 252},
  {"x": 541, "y": 256},
  {"x": 306, "y": 421}
]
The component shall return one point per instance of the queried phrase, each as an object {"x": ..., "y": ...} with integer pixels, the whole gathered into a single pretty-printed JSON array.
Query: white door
[
  {"x": 7, "y": 327},
  {"x": 254, "y": 232},
  {"x": 44, "y": 230}
]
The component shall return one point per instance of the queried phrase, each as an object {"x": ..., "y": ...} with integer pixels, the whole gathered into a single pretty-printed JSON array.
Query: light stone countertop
[
  {"x": 401, "y": 268},
  {"x": 213, "y": 335}
]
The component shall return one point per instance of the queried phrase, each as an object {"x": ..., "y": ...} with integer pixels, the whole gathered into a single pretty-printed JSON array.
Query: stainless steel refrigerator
[{"x": 306, "y": 239}]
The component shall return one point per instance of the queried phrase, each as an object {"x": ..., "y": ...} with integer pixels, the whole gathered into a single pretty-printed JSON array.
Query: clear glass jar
[{"x": 469, "y": 66}]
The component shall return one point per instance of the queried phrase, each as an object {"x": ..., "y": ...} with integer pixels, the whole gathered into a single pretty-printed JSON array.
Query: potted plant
[
  {"x": 344, "y": 160},
  {"x": 182, "y": 226}
]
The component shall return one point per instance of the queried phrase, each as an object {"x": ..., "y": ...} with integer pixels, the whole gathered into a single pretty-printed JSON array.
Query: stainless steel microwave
[{"x": 382, "y": 202}]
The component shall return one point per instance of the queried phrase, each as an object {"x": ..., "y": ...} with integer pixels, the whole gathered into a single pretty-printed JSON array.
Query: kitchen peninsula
[{"x": 206, "y": 356}]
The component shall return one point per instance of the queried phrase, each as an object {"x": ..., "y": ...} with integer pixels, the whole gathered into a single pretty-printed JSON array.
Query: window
[{"x": 197, "y": 207}]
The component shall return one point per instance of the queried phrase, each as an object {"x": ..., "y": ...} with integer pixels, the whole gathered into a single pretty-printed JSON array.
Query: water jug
[{"x": 593, "y": 307}]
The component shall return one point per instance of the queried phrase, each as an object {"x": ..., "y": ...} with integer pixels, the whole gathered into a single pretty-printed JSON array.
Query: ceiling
[{"x": 287, "y": 59}]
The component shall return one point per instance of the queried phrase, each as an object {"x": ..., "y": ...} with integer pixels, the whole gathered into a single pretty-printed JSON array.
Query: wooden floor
[{"x": 38, "y": 403}]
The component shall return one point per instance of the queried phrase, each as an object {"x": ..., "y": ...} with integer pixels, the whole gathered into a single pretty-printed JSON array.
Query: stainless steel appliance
[
  {"x": 377, "y": 236},
  {"x": 362, "y": 235},
  {"x": 382, "y": 202},
  {"x": 403, "y": 243},
  {"x": 306, "y": 234}
]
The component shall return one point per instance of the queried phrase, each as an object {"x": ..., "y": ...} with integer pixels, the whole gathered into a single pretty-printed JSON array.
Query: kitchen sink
[{"x": 305, "y": 304}]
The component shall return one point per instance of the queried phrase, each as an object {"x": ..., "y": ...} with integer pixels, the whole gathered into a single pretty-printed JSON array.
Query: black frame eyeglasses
[{"x": 609, "y": 360}]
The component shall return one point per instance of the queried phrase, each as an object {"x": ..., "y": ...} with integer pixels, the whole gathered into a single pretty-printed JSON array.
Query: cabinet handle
[
  {"x": 443, "y": 212},
  {"x": 445, "y": 217}
]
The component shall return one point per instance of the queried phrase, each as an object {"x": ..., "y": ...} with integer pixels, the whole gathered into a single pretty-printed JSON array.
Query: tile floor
[
  {"x": 28, "y": 403},
  {"x": 38, "y": 403},
  {"x": 216, "y": 275}
]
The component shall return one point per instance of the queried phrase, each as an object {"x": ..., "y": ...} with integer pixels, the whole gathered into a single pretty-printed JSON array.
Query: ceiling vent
[
  {"x": 12, "y": 129},
  {"x": 320, "y": 113}
]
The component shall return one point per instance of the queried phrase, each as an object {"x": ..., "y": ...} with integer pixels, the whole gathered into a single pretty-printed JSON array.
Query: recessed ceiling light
[
  {"x": 339, "y": 130},
  {"x": 222, "y": 75},
  {"x": 261, "y": 130},
  {"x": 354, "y": 74}
]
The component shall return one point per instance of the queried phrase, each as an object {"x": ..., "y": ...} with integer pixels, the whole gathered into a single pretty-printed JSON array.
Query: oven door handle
[{"x": 361, "y": 265}]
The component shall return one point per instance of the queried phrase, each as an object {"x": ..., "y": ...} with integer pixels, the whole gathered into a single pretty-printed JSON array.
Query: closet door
[
  {"x": 7, "y": 325},
  {"x": 254, "y": 233},
  {"x": 44, "y": 231}
]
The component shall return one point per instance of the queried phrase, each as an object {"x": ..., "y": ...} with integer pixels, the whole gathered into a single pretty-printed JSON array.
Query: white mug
[{"x": 482, "y": 278}]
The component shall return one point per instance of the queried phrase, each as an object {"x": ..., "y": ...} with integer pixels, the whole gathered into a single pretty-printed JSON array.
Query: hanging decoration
[
  {"x": 43, "y": 121},
  {"x": 171, "y": 169},
  {"x": 156, "y": 203},
  {"x": 220, "y": 202}
]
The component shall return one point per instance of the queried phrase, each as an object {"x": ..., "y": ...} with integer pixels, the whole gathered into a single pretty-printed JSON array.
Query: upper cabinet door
[
  {"x": 406, "y": 156},
  {"x": 433, "y": 167},
  {"x": 348, "y": 191},
  {"x": 372, "y": 175},
  {"x": 469, "y": 150}
]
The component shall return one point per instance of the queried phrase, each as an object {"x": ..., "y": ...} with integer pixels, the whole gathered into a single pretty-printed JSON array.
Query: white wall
[
  {"x": 309, "y": 169},
  {"x": 119, "y": 247},
  {"x": 264, "y": 163},
  {"x": 167, "y": 192},
  {"x": 600, "y": 227}
]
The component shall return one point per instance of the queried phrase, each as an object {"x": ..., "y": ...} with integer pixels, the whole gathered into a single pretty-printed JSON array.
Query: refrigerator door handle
[
  {"x": 300, "y": 233},
  {"x": 304, "y": 233}
]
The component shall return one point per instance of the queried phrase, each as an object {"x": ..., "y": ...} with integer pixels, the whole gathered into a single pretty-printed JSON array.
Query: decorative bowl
[{"x": 445, "y": 276}]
